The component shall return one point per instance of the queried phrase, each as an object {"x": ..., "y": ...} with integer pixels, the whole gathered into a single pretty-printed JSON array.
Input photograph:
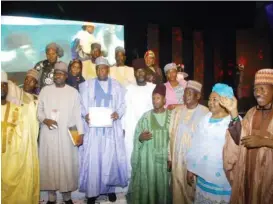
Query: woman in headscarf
[
  {"x": 205, "y": 156},
  {"x": 154, "y": 73},
  {"x": 75, "y": 74},
  {"x": 46, "y": 67},
  {"x": 175, "y": 88}
]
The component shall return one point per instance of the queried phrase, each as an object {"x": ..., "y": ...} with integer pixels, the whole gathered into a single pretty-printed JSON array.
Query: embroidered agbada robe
[
  {"x": 20, "y": 165},
  {"x": 88, "y": 69},
  {"x": 150, "y": 176},
  {"x": 58, "y": 156},
  {"x": 183, "y": 124},
  {"x": 18, "y": 96},
  {"x": 103, "y": 156},
  {"x": 205, "y": 160},
  {"x": 86, "y": 39},
  {"x": 123, "y": 74},
  {"x": 138, "y": 100},
  {"x": 250, "y": 171},
  {"x": 14, "y": 93}
]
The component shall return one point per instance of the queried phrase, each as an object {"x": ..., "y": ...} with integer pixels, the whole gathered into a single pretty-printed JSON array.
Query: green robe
[{"x": 150, "y": 176}]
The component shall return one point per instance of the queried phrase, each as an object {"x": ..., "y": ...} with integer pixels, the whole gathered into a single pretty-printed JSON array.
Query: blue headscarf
[{"x": 223, "y": 90}]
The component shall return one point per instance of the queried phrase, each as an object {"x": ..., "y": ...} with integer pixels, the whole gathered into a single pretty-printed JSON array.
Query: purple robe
[{"x": 103, "y": 163}]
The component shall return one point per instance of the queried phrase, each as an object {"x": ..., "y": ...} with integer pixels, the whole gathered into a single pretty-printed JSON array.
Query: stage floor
[{"x": 101, "y": 200}]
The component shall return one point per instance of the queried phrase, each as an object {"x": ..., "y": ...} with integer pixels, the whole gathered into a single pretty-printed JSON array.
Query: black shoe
[
  {"x": 69, "y": 202},
  {"x": 50, "y": 202},
  {"x": 112, "y": 197},
  {"x": 91, "y": 200}
]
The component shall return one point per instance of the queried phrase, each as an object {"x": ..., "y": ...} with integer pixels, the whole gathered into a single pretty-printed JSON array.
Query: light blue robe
[
  {"x": 205, "y": 159},
  {"x": 102, "y": 156}
]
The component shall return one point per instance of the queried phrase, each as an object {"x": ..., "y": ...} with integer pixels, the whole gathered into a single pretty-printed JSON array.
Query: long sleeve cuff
[
  {"x": 235, "y": 131},
  {"x": 41, "y": 118}
]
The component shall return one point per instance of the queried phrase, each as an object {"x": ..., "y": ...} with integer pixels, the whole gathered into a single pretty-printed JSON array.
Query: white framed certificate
[{"x": 100, "y": 117}]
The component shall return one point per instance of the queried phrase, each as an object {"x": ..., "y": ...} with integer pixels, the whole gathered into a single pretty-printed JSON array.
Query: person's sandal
[
  {"x": 51, "y": 202},
  {"x": 112, "y": 197},
  {"x": 91, "y": 200},
  {"x": 69, "y": 202}
]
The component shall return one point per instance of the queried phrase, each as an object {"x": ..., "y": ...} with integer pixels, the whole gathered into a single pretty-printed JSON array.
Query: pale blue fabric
[
  {"x": 204, "y": 157},
  {"x": 103, "y": 164},
  {"x": 223, "y": 90}
]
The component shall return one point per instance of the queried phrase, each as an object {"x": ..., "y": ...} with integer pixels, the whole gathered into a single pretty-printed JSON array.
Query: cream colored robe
[
  {"x": 58, "y": 156},
  {"x": 20, "y": 165},
  {"x": 86, "y": 40},
  {"x": 18, "y": 96},
  {"x": 187, "y": 119},
  {"x": 123, "y": 74},
  {"x": 88, "y": 69}
]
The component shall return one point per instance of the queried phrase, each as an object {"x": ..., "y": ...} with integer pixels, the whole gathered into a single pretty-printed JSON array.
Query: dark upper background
[{"x": 197, "y": 15}]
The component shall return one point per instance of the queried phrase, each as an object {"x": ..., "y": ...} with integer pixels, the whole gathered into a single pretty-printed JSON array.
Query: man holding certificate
[{"x": 103, "y": 157}]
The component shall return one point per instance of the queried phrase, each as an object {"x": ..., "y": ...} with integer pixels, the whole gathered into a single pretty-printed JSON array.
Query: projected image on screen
[{"x": 24, "y": 40}]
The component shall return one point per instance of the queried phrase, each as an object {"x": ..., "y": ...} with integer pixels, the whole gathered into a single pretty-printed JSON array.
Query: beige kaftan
[
  {"x": 123, "y": 74},
  {"x": 58, "y": 156},
  {"x": 88, "y": 69},
  {"x": 183, "y": 123}
]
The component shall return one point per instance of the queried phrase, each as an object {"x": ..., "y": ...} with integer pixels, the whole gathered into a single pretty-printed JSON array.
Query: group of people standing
[{"x": 163, "y": 146}]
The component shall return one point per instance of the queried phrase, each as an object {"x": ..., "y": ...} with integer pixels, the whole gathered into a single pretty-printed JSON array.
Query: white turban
[{"x": 88, "y": 24}]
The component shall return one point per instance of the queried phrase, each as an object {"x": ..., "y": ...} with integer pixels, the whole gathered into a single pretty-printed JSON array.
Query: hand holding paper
[
  {"x": 51, "y": 124},
  {"x": 115, "y": 116},
  {"x": 101, "y": 117},
  {"x": 87, "y": 119}
]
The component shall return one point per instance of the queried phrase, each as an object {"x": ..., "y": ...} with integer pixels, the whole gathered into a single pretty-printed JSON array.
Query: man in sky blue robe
[{"x": 103, "y": 156}]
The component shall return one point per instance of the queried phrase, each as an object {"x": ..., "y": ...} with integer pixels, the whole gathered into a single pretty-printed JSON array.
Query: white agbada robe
[
  {"x": 86, "y": 40},
  {"x": 138, "y": 100},
  {"x": 58, "y": 156}
]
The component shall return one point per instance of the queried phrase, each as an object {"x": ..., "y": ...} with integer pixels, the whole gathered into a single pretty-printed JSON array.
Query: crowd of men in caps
[{"x": 163, "y": 146}]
